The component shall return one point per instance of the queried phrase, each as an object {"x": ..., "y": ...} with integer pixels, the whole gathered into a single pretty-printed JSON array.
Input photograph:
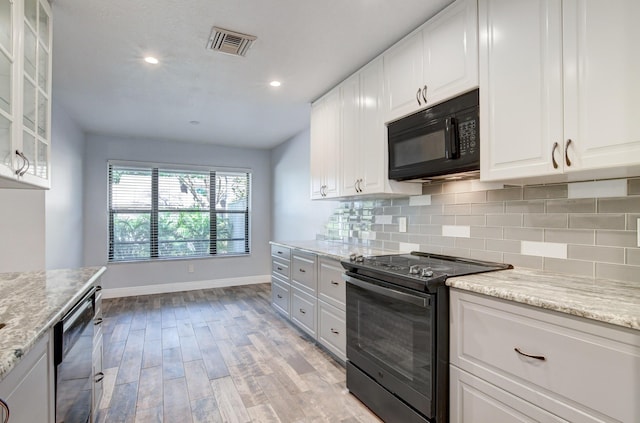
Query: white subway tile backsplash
[
  {"x": 407, "y": 247},
  {"x": 586, "y": 228},
  {"x": 456, "y": 231},
  {"x": 383, "y": 219},
  {"x": 420, "y": 200},
  {"x": 544, "y": 249},
  {"x": 598, "y": 189}
]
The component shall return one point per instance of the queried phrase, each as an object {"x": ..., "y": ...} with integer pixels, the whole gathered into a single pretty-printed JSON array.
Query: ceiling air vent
[{"x": 230, "y": 42}]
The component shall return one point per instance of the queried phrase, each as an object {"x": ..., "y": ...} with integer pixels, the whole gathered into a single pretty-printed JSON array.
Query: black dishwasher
[{"x": 73, "y": 347}]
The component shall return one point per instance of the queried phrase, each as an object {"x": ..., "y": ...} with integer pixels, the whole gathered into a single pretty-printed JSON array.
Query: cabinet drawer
[
  {"x": 281, "y": 252},
  {"x": 280, "y": 268},
  {"x": 303, "y": 270},
  {"x": 593, "y": 365},
  {"x": 303, "y": 311},
  {"x": 474, "y": 400},
  {"x": 331, "y": 286},
  {"x": 280, "y": 295},
  {"x": 332, "y": 329}
]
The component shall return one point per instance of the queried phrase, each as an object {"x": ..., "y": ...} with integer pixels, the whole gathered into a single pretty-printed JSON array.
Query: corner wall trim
[{"x": 182, "y": 286}]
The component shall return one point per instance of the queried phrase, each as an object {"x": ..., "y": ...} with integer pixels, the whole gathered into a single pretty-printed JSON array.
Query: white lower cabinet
[
  {"x": 303, "y": 310},
  {"x": 28, "y": 390},
  {"x": 332, "y": 329},
  {"x": 479, "y": 401},
  {"x": 313, "y": 298},
  {"x": 512, "y": 362}
]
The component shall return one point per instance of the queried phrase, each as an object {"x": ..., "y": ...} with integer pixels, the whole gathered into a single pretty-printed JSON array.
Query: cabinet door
[
  {"x": 451, "y": 51},
  {"x": 325, "y": 146},
  {"x": 373, "y": 132},
  {"x": 602, "y": 83},
  {"x": 98, "y": 378},
  {"x": 474, "y": 400},
  {"x": 521, "y": 96},
  {"x": 351, "y": 127},
  {"x": 403, "y": 71},
  {"x": 316, "y": 158},
  {"x": 28, "y": 389},
  {"x": 36, "y": 91},
  {"x": 7, "y": 95}
]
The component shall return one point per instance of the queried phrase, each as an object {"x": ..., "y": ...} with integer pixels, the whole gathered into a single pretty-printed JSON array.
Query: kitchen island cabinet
[
  {"x": 28, "y": 390},
  {"x": 34, "y": 303},
  {"x": 559, "y": 90}
]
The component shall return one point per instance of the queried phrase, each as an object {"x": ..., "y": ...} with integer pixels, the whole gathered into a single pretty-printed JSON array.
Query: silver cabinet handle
[
  {"x": 279, "y": 296},
  {"x": 28, "y": 165},
  {"x": 553, "y": 155},
  {"x": 537, "y": 357},
  {"x": 335, "y": 283},
  {"x": 418, "y": 96},
  {"x": 24, "y": 162},
  {"x": 99, "y": 377},
  {"x": 98, "y": 321},
  {"x": 566, "y": 153},
  {"x": 6, "y": 410},
  {"x": 302, "y": 270},
  {"x": 303, "y": 311},
  {"x": 335, "y": 331},
  {"x": 279, "y": 268},
  {"x": 424, "y": 94}
]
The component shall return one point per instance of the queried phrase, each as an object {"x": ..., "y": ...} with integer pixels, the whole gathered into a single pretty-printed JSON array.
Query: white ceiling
[{"x": 309, "y": 45}]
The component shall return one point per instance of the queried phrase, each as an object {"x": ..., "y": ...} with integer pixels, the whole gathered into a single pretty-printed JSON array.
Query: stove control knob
[
  {"x": 427, "y": 272},
  {"x": 352, "y": 257},
  {"x": 414, "y": 270},
  {"x": 359, "y": 258}
]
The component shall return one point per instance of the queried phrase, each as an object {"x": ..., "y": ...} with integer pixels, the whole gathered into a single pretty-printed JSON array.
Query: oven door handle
[{"x": 391, "y": 293}]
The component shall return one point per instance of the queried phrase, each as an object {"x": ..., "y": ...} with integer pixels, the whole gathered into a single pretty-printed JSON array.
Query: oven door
[{"x": 390, "y": 337}]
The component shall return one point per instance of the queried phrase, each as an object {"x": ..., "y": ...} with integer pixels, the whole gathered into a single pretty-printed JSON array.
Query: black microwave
[{"x": 441, "y": 140}]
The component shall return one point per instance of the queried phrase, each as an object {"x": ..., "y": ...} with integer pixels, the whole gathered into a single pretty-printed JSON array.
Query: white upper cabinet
[
  {"x": 520, "y": 87},
  {"x": 434, "y": 63},
  {"x": 325, "y": 146},
  {"x": 602, "y": 84},
  {"x": 559, "y": 89},
  {"x": 25, "y": 93}
]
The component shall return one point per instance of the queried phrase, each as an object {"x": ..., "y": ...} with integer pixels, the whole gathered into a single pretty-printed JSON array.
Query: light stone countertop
[
  {"x": 333, "y": 249},
  {"x": 613, "y": 302},
  {"x": 33, "y": 302}
]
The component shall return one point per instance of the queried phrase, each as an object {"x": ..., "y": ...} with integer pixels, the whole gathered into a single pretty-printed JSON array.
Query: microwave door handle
[{"x": 451, "y": 138}]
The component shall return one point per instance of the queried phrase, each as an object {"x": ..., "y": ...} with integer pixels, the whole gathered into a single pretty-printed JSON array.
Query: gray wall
[
  {"x": 22, "y": 223},
  {"x": 295, "y": 216},
  {"x": 100, "y": 148},
  {"x": 64, "y": 201}
]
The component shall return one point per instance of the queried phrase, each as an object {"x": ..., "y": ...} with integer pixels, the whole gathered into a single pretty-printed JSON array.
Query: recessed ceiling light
[
  {"x": 275, "y": 83},
  {"x": 151, "y": 59},
  {"x": 194, "y": 122}
]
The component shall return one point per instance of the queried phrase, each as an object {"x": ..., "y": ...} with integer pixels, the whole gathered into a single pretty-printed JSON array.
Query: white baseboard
[{"x": 182, "y": 286}]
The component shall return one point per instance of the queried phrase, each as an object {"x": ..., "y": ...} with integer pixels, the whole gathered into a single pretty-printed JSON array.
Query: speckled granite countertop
[
  {"x": 32, "y": 302},
  {"x": 613, "y": 302},
  {"x": 333, "y": 249}
]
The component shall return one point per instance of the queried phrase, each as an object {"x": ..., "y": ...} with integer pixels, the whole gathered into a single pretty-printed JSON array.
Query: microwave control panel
[{"x": 467, "y": 132}]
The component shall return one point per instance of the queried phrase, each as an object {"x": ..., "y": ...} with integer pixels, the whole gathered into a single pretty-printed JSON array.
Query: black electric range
[{"x": 398, "y": 332}]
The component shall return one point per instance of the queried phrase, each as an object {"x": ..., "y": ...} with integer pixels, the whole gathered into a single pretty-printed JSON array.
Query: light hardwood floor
[{"x": 217, "y": 355}]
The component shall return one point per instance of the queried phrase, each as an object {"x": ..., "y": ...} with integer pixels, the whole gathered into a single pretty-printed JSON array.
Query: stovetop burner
[{"x": 417, "y": 270}]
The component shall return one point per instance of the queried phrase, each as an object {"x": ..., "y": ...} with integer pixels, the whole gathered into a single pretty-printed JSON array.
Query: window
[{"x": 158, "y": 212}]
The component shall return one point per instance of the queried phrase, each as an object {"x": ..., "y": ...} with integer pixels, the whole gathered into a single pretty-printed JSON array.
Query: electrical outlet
[
  {"x": 402, "y": 224},
  {"x": 190, "y": 267}
]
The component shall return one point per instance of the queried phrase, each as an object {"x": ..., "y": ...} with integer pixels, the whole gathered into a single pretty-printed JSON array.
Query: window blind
[{"x": 164, "y": 212}]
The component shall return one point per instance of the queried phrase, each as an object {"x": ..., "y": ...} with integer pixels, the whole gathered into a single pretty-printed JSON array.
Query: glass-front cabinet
[{"x": 25, "y": 92}]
